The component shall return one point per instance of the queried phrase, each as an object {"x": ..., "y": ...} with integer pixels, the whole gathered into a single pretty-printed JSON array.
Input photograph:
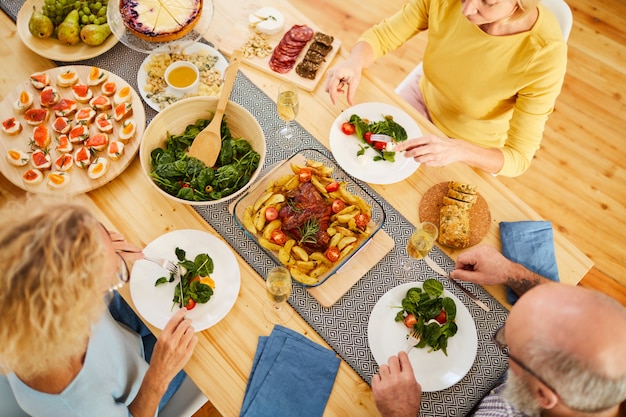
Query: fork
[
  {"x": 165, "y": 264},
  {"x": 414, "y": 338}
]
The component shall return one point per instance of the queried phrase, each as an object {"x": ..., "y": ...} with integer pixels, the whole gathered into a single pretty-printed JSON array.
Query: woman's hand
[
  {"x": 432, "y": 150},
  {"x": 128, "y": 251},
  {"x": 344, "y": 74}
]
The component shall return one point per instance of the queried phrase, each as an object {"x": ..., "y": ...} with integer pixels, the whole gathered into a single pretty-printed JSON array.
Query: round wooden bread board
[
  {"x": 79, "y": 180},
  {"x": 480, "y": 216}
]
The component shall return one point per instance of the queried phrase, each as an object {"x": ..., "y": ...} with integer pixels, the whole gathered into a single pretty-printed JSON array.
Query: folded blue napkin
[
  {"x": 530, "y": 243},
  {"x": 291, "y": 376}
]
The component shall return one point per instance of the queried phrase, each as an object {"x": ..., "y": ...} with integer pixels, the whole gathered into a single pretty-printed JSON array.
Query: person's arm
[
  {"x": 349, "y": 72},
  {"x": 396, "y": 391},
  {"x": 171, "y": 352},
  {"x": 486, "y": 266}
]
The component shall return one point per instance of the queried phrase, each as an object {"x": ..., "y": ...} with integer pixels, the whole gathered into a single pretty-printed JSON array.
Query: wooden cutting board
[
  {"x": 233, "y": 32},
  {"x": 338, "y": 284}
]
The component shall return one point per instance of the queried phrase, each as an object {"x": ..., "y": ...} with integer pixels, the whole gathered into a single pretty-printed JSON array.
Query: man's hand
[{"x": 396, "y": 392}]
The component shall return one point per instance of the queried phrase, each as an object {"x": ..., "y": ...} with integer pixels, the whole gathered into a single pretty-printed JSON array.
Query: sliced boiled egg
[
  {"x": 17, "y": 157},
  {"x": 98, "y": 142},
  {"x": 115, "y": 150},
  {"x": 97, "y": 76},
  {"x": 103, "y": 123},
  {"x": 40, "y": 159},
  {"x": 78, "y": 134},
  {"x": 58, "y": 179},
  {"x": 85, "y": 116},
  {"x": 98, "y": 168},
  {"x": 11, "y": 126},
  {"x": 67, "y": 78},
  {"x": 267, "y": 20},
  {"x": 82, "y": 93},
  {"x": 64, "y": 163},
  {"x": 39, "y": 80},
  {"x": 23, "y": 102},
  {"x": 100, "y": 103},
  {"x": 128, "y": 129},
  {"x": 124, "y": 95},
  {"x": 82, "y": 157},
  {"x": 49, "y": 96},
  {"x": 64, "y": 145},
  {"x": 62, "y": 125},
  {"x": 41, "y": 137},
  {"x": 33, "y": 176},
  {"x": 108, "y": 88}
]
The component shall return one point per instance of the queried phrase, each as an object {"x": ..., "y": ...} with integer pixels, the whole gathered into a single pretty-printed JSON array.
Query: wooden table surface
[{"x": 222, "y": 361}]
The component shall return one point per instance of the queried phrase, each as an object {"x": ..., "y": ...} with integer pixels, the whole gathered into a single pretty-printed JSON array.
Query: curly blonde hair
[{"x": 52, "y": 266}]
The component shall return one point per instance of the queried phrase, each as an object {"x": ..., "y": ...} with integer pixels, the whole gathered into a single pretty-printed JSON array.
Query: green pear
[
  {"x": 95, "y": 35},
  {"x": 69, "y": 30},
  {"x": 40, "y": 25}
]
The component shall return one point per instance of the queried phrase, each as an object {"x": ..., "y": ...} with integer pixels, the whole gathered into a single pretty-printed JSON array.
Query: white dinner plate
[
  {"x": 142, "y": 74},
  {"x": 363, "y": 167},
  {"x": 434, "y": 370},
  {"x": 155, "y": 303}
]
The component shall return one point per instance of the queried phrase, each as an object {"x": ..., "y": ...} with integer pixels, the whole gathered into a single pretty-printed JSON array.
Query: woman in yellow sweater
[{"x": 492, "y": 72}]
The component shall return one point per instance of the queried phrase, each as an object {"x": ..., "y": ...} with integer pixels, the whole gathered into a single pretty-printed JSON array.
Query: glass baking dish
[{"x": 284, "y": 168}]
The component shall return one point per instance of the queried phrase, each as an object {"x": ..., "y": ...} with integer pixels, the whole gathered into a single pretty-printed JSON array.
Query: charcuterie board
[
  {"x": 234, "y": 31},
  {"x": 79, "y": 181}
]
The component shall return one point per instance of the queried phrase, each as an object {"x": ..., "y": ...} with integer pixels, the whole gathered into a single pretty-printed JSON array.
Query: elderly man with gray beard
[{"x": 566, "y": 347}]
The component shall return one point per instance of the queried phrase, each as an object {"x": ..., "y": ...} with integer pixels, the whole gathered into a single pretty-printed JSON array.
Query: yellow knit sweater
[{"x": 494, "y": 91}]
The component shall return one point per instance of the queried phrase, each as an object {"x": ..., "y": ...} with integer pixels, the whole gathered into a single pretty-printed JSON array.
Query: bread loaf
[
  {"x": 454, "y": 226},
  {"x": 447, "y": 201},
  {"x": 463, "y": 187},
  {"x": 457, "y": 195}
]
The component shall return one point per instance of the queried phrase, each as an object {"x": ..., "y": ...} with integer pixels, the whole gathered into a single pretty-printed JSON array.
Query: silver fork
[
  {"x": 165, "y": 264},
  {"x": 414, "y": 338}
]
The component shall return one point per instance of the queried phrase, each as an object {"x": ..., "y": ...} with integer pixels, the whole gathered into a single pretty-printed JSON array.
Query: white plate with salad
[
  {"x": 434, "y": 370},
  {"x": 155, "y": 303},
  {"x": 360, "y": 159}
]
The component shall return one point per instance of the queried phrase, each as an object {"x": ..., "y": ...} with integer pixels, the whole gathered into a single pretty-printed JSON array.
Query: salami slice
[
  {"x": 290, "y": 46},
  {"x": 300, "y": 33}
]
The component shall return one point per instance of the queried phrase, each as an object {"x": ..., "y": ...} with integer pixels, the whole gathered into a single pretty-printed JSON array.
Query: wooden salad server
[{"x": 208, "y": 143}]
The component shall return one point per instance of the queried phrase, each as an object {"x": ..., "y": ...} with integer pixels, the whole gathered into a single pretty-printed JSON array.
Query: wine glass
[
  {"x": 420, "y": 242},
  {"x": 278, "y": 288},
  {"x": 287, "y": 105}
]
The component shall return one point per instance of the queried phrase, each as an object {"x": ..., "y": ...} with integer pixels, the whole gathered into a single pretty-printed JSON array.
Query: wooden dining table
[{"x": 222, "y": 360}]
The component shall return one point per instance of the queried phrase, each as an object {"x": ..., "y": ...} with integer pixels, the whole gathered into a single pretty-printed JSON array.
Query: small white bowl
[{"x": 181, "y": 88}]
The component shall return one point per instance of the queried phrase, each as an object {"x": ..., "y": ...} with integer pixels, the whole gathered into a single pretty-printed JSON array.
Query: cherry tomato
[
  {"x": 279, "y": 237},
  {"x": 361, "y": 220},
  {"x": 368, "y": 137},
  {"x": 380, "y": 145},
  {"x": 333, "y": 186},
  {"x": 190, "y": 304},
  {"x": 347, "y": 128},
  {"x": 333, "y": 253},
  {"x": 305, "y": 175},
  {"x": 337, "y": 205},
  {"x": 271, "y": 214},
  {"x": 410, "y": 320},
  {"x": 442, "y": 317}
]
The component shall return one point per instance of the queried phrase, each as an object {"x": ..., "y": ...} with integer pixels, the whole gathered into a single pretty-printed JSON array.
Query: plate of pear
[{"x": 65, "y": 30}]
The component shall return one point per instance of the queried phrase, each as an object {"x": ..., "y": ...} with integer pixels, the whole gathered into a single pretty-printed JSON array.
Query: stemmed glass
[
  {"x": 420, "y": 243},
  {"x": 278, "y": 288},
  {"x": 287, "y": 105}
]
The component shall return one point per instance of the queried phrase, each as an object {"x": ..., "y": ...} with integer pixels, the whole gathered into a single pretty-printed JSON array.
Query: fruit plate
[
  {"x": 79, "y": 182},
  {"x": 127, "y": 38},
  {"x": 51, "y": 48},
  {"x": 283, "y": 168}
]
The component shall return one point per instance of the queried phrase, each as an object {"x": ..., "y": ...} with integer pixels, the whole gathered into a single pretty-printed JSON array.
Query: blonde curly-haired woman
[{"x": 62, "y": 351}]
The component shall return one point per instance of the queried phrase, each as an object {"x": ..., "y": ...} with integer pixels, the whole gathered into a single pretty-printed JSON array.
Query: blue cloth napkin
[
  {"x": 530, "y": 243},
  {"x": 291, "y": 376}
]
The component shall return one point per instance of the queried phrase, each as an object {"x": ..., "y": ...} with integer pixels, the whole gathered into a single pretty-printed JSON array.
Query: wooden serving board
[
  {"x": 233, "y": 32},
  {"x": 338, "y": 284},
  {"x": 79, "y": 181}
]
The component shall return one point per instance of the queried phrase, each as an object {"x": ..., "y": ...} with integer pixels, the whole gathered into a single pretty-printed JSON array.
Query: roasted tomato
[
  {"x": 368, "y": 137},
  {"x": 305, "y": 175},
  {"x": 338, "y": 205},
  {"x": 347, "y": 128},
  {"x": 279, "y": 237},
  {"x": 333, "y": 186},
  {"x": 410, "y": 320},
  {"x": 333, "y": 253},
  {"x": 361, "y": 220},
  {"x": 271, "y": 214}
]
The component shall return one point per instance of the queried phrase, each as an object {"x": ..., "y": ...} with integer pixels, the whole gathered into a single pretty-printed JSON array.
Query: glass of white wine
[
  {"x": 287, "y": 105},
  {"x": 278, "y": 288},
  {"x": 420, "y": 242}
]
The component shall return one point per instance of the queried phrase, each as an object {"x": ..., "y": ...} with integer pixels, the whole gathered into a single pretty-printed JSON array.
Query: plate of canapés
[
  {"x": 39, "y": 27},
  {"x": 69, "y": 130}
]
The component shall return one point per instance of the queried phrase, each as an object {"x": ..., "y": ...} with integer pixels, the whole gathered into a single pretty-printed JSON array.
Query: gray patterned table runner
[{"x": 344, "y": 325}]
